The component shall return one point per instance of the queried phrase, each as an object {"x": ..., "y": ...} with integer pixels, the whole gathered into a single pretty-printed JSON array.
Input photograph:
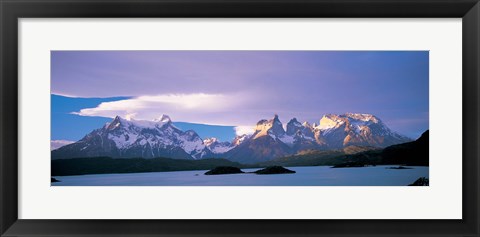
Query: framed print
[
  {"x": 222, "y": 126},
  {"x": 240, "y": 118}
]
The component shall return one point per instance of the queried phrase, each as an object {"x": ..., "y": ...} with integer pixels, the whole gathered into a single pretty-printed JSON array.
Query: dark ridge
[
  {"x": 414, "y": 153},
  {"x": 107, "y": 165}
]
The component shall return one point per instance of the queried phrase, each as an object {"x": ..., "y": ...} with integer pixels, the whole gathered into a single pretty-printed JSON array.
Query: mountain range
[
  {"x": 415, "y": 153},
  {"x": 122, "y": 138}
]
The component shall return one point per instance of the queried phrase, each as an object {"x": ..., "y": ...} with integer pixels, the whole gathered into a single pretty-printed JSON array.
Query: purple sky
[{"x": 239, "y": 88}]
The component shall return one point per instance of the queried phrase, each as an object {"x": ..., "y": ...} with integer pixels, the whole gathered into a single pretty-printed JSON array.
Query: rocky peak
[
  {"x": 240, "y": 139},
  {"x": 210, "y": 141},
  {"x": 363, "y": 117},
  {"x": 293, "y": 126},
  {"x": 164, "y": 119},
  {"x": 272, "y": 127},
  {"x": 306, "y": 124},
  {"x": 116, "y": 122},
  {"x": 275, "y": 118},
  {"x": 330, "y": 121}
]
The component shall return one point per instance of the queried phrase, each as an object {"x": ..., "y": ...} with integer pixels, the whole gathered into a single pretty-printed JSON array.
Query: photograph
[{"x": 239, "y": 118}]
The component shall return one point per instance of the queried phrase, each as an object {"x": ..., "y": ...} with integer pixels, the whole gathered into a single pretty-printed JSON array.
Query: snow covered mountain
[
  {"x": 217, "y": 147},
  {"x": 357, "y": 129},
  {"x": 137, "y": 138},
  {"x": 122, "y": 138},
  {"x": 240, "y": 139},
  {"x": 270, "y": 140}
]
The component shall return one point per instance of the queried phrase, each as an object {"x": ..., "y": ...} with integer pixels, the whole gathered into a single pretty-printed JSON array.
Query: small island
[
  {"x": 274, "y": 170},
  {"x": 54, "y": 180},
  {"x": 224, "y": 170}
]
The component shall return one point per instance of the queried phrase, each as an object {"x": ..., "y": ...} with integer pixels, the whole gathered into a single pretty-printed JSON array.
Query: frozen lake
[{"x": 305, "y": 176}]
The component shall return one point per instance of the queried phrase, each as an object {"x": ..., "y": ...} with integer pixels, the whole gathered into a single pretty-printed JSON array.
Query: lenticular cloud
[{"x": 197, "y": 107}]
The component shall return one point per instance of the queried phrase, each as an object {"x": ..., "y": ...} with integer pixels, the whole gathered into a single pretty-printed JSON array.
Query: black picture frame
[{"x": 11, "y": 11}]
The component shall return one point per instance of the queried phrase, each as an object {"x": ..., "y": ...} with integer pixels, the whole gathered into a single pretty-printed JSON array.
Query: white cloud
[
  {"x": 55, "y": 144},
  {"x": 130, "y": 116},
  {"x": 241, "y": 130},
  {"x": 216, "y": 109}
]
